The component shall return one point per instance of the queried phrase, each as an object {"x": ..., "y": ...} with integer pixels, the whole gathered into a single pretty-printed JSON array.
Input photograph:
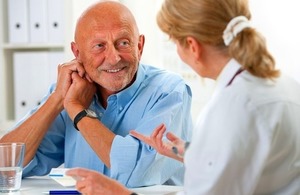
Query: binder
[
  {"x": 54, "y": 59},
  {"x": 30, "y": 85},
  {"x": 38, "y": 21},
  {"x": 18, "y": 21},
  {"x": 55, "y": 22},
  {"x": 34, "y": 72}
]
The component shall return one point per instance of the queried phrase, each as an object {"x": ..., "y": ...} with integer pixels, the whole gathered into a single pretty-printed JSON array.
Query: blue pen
[{"x": 63, "y": 192}]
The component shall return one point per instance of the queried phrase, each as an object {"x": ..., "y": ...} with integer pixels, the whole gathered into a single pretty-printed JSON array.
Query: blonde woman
[{"x": 247, "y": 139}]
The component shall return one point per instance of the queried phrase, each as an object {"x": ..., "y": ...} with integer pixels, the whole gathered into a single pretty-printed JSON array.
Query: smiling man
[{"x": 99, "y": 97}]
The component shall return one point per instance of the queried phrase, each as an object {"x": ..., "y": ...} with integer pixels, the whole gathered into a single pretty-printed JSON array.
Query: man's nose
[{"x": 112, "y": 55}]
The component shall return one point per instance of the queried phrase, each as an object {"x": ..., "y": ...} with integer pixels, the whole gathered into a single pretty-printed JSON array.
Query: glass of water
[{"x": 11, "y": 166}]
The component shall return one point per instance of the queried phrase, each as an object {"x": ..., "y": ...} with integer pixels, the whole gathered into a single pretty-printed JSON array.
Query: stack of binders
[
  {"x": 36, "y": 21},
  {"x": 41, "y": 23}
]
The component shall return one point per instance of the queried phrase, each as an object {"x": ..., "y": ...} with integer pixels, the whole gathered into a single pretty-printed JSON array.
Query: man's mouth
[{"x": 114, "y": 70}]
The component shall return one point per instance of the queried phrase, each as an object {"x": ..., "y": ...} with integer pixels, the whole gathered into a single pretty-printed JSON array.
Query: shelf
[{"x": 9, "y": 46}]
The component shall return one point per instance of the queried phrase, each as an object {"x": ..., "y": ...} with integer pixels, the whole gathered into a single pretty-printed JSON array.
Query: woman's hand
[
  {"x": 90, "y": 182},
  {"x": 174, "y": 148}
]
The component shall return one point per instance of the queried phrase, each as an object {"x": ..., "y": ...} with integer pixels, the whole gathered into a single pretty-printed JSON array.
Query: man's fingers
[
  {"x": 157, "y": 130},
  {"x": 171, "y": 137},
  {"x": 73, "y": 66},
  {"x": 138, "y": 135}
]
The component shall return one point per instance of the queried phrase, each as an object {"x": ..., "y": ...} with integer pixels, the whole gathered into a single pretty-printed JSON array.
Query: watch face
[{"x": 91, "y": 113}]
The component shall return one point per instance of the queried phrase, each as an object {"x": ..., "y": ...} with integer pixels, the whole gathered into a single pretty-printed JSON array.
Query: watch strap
[{"x": 78, "y": 117}]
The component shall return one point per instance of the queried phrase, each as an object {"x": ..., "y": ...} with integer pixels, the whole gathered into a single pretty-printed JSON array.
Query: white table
[{"x": 42, "y": 185}]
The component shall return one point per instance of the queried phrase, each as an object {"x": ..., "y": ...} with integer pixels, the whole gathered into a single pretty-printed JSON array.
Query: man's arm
[
  {"x": 32, "y": 131},
  {"x": 98, "y": 136}
]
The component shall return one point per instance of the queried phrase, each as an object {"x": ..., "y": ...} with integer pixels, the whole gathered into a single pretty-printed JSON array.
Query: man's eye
[
  {"x": 99, "y": 45},
  {"x": 124, "y": 43}
]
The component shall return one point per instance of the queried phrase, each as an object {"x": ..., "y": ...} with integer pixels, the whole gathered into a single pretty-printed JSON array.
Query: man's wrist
[
  {"x": 73, "y": 110},
  {"x": 83, "y": 113},
  {"x": 56, "y": 100}
]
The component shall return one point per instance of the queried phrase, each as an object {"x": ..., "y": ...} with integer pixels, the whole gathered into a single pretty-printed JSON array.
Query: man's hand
[
  {"x": 64, "y": 77},
  {"x": 79, "y": 94},
  {"x": 163, "y": 147}
]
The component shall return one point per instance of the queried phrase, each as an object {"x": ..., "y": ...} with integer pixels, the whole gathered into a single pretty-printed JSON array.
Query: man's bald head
[
  {"x": 108, "y": 45},
  {"x": 105, "y": 14}
]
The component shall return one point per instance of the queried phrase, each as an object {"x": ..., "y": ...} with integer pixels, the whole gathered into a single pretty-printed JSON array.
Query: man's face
[{"x": 110, "y": 52}]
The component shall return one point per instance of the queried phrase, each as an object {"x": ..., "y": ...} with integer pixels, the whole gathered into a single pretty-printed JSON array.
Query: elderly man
[{"x": 99, "y": 97}]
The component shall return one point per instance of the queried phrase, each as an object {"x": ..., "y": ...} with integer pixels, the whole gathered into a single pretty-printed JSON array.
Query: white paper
[{"x": 58, "y": 174}]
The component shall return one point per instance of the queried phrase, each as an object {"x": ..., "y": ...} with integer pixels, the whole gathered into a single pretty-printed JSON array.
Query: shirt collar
[
  {"x": 227, "y": 73},
  {"x": 124, "y": 96}
]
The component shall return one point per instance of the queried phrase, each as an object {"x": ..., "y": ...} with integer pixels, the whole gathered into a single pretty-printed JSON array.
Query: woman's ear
[{"x": 194, "y": 46}]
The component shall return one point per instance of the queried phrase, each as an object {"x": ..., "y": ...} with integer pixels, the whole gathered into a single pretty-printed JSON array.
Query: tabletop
[{"x": 42, "y": 185}]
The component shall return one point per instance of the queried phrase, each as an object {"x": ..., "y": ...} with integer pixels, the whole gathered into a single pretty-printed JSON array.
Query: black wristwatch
[{"x": 80, "y": 115}]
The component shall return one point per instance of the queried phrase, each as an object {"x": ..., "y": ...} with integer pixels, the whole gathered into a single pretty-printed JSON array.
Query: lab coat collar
[{"x": 227, "y": 73}]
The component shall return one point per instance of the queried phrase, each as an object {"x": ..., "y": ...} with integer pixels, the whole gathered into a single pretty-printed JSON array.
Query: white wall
[{"x": 279, "y": 22}]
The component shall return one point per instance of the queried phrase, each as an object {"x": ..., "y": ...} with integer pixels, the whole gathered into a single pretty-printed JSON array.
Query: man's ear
[
  {"x": 194, "y": 46},
  {"x": 141, "y": 45},
  {"x": 75, "y": 49}
]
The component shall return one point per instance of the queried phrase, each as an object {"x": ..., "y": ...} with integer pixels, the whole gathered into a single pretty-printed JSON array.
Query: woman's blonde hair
[{"x": 206, "y": 20}]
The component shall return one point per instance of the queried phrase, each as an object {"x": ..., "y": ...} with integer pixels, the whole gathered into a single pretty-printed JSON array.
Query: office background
[{"x": 276, "y": 19}]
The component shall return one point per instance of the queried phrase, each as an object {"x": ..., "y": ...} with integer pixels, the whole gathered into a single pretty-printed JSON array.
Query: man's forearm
[{"x": 98, "y": 136}]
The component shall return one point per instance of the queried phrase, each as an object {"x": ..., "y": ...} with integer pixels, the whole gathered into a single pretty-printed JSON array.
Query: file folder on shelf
[
  {"x": 54, "y": 59},
  {"x": 38, "y": 32},
  {"x": 18, "y": 21},
  {"x": 29, "y": 80},
  {"x": 55, "y": 22},
  {"x": 34, "y": 72}
]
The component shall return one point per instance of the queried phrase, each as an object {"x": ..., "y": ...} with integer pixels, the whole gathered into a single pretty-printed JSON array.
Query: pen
[{"x": 63, "y": 192}]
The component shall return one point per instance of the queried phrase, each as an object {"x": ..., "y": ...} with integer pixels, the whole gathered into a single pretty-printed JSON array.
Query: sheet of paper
[{"x": 58, "y": 174}]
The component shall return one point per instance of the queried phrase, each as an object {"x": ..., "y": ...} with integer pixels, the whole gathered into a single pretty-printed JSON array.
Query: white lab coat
[{"x": 247, "y": 139}]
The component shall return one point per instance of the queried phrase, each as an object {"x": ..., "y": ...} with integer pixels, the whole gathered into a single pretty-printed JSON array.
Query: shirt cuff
[{"x": 29, "y": 167}]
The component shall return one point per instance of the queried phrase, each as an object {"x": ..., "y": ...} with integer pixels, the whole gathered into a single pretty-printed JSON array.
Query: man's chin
[{"x": 114, "y": 88}]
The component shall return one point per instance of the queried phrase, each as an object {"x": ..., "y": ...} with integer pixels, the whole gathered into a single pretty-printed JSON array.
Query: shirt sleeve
[{"x": 134, "y": 163}]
